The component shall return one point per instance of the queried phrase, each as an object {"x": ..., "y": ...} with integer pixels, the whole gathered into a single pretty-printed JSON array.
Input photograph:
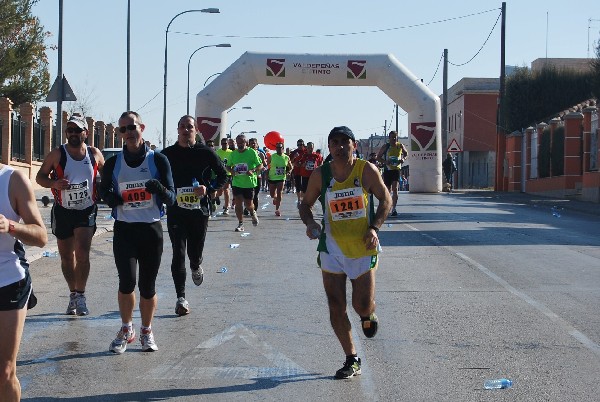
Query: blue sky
[{"x": 94, "y": 53}]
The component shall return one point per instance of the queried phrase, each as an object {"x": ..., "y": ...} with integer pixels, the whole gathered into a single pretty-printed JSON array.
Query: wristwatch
[{"x": 375, "y": 228}]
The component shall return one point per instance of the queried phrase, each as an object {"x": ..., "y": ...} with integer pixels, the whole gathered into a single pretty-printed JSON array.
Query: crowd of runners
[{"x": 194, "y": 181}]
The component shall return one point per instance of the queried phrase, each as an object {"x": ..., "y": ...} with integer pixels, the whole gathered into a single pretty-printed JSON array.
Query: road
[{"x": 471, "y": 286}]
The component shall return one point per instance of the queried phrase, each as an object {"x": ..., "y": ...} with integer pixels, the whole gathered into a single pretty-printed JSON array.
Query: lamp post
[
  {"x": 243, "y": 107},
  {"x": 188, "y": 70},
  {"x": 204, "y": 10},
  {"x": 209, "y": 77},
  {"x": 231, "y": 128}
]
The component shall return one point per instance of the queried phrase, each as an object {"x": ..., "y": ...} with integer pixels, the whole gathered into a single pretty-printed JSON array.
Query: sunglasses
[
  {"x": 129, "y": 127},
  {"x": 187, "y": 127},
  {"x": 71, "y": 130}
]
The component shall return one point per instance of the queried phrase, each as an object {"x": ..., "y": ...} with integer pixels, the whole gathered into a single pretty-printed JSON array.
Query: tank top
[
  {"x": 138, "y": 204},
  {"x": 12, "y": 253},
  {"x": 347, "y": 214},
  {"x": 81, "y": 193},
  {"x": 278, "y": 166},
  {"x": 393, "y": 157}
]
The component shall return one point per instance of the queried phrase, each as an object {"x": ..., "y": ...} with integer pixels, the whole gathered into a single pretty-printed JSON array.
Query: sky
[{"x": 416, "y": 33}]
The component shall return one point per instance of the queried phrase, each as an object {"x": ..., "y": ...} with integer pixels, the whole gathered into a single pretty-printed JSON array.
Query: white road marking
[{"x": 565, "y": 325}]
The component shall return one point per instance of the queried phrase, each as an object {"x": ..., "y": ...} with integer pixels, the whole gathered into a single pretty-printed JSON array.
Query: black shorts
[
  {"x": 275, "y": 181},
  {"x": 390, "y": 176},
  {"x": 64, "y": 220},
  {"x": 16, "y": 295},
  {"x": 246, "y": 193},
  {"x": 300, "y": 182}
]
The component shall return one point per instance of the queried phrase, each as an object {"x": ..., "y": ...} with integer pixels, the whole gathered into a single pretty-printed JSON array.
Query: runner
[
  {"x": 244, "y": 165},
  {"x": 296, "y": 158},
  {"x": 392, "y": 155},
  {"x": 279, "y": 167},
  {"x": 253, "y": 143},
  {"x": 17, "y": 202},
  {"x": 135, "y": 185},
  {"x": 308, "y": 162},
  {"x": 224, "y": 154},
  {"x": 349, "y": 240},
  {"x": 70, "y": 171},
  {"x": 187, "y": 219}
]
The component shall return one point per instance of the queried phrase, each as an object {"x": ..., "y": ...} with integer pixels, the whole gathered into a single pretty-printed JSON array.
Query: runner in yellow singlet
[{"x": 349, "y": 240}]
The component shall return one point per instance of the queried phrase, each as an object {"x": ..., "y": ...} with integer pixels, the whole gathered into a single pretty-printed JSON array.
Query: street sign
[
  {"x": 454, "y": 147},
  {"x": 68, "y": 94}
]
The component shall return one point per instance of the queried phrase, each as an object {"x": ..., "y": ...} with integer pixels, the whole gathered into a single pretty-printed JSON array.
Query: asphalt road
[{"x": 471, "y": 286}]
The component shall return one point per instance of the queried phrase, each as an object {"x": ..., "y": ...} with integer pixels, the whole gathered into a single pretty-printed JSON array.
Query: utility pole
[
  {"x": 385, "y": 127},
  {"x": 397, "y": 120},
  {"x": 61, "y": 93},
  {"x": 445, "y": 104},
  {"x": 500, "y": 139}
]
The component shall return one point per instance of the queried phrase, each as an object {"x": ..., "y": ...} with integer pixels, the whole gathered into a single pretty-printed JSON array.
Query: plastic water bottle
[
  {"x": 50, "y": 254},
  {"x": 556, "y": 212},
  {"x": 315, "y": 233},
  {"x": 501, "y": 383},
  {"x": 234, "y": 245},
  {"x": 222, "y": 270},
  {"x": 195, "y": 183}
]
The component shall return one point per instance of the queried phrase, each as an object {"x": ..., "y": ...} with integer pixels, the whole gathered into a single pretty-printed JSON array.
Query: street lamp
[
  {"x": 231, "y": 128},
  {"x": 204, "y": 10},
  {"x": 243, "y": 107},
  {"x": 209, "y": 77},
  {"x": 188, "y": 71}
]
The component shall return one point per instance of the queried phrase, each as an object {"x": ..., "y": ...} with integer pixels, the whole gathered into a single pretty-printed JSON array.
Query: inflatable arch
[{"x": 383, "y": 71}]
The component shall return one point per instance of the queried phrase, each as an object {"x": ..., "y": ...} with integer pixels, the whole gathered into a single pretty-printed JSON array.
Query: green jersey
[{"x": 242, "y": 163}]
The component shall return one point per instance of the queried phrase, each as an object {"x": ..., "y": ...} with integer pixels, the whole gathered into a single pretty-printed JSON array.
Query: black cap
[{"x": 341, "y": 130}]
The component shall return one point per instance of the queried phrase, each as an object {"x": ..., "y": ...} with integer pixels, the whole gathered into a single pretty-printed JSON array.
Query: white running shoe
[
  {"x": 198, "y": 276},
  {"x": 254, "y": 218},
  {"x": 182, "y": 307},
  {"x": 147, "y": 341},
  {"x": 124, "y": 337}
]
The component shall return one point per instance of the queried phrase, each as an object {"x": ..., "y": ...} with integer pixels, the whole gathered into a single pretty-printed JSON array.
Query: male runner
[
  {"x": 70, "y": 171},
  {"x": 348, "y": 241},
  {"x": 224, "y": 154},
  {"x": 279, "y": 167},
  {"x": 392, "y": 155}
]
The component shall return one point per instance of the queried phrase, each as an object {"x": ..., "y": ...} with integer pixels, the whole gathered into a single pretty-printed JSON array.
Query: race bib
[
  {"x": 346, "y": 204},
  {"x": 394, "y": 161},
  {"x": 187, "y": 199},
  {"x": 241, "y": 168},
  {"x": 279, "y": 171},
  {"x": 135, "y": 195},
  {"x": 78, "y": 196},
  {"x": 310, "y": 165}
]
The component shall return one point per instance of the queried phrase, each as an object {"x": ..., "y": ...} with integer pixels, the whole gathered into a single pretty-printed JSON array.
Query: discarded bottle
[
  {"x": 195, "y": 183},
  {"x": 315, "y": 233},
  {"x": 50, "y": 254},
  {"x": 234, "y": 245},
  {"x": 222, "y": 270},
  {"x": 245, "y": 234},
  {"x": 556, "y": 212},
  {"x": 501, "y": 383}
]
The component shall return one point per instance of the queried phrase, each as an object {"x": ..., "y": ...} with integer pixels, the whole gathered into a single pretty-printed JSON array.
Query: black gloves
[
  {"x": 112, "y": 199},
  {"x": 153, "y": 186}
]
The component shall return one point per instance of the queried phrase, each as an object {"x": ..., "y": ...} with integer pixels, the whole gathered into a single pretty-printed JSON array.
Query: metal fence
[
  {"x": 18, "y": 138},
  {"x": 39, "y": 133}
]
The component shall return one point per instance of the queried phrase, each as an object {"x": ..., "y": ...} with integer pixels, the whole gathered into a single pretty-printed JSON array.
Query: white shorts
[{"x": 352, "y": 267}]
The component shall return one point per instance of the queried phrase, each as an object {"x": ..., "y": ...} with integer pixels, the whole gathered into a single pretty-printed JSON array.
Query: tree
[
  {"x": 24, "y": 75},
  {"x": 596, "y": 72}
]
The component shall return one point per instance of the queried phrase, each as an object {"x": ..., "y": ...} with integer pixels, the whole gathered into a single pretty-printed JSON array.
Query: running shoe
[
  {"x": 72, "y": 307},
  {"x": 240, "y": 227},
  {"x": 350, "y": 369},
  {"x": 225, "y": 211},
  {"x": 147, "y": 341},
  {"x": 218, "y": 201},
  {"x": 81, "y": 308},
  {"x": 254, "y": 218},
  {"x": 213, "y": 207},
  {"x": 198, "y": 276},
  {"x": 394, "y": 212},
  {"x": 125, "y": 336},
  {"x": 277, "y": 213},
  {"x": 246, "y": 212},
  {"x": 369, "y": 325},
  {"x": 182, "y": 307}
]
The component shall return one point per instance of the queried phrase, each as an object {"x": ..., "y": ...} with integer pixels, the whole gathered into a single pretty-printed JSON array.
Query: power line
[
  {"x": 339, "y": 34},
  {"x": 482, "y": 46},
  {"x": 436, "y": 69}
]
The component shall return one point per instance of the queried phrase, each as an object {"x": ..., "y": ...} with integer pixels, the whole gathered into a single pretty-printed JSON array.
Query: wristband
[
  {"x": 375, "y": 228},
  {"x": 11, "y": 226}
]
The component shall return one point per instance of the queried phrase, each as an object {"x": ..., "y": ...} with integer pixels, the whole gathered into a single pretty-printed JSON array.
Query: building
[{"x": 472, "y": 107}]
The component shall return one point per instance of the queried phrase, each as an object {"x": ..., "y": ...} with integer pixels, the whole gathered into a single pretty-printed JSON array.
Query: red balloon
[{"x": 272, "y": 138}]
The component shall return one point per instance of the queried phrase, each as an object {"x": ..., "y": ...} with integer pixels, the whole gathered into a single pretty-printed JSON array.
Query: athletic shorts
[
  {"x": 16, "y": 295},
  {"x": 390, "y": 176},
  {"x": 352, "y": 267},
  {"x": 64, "y": 220},
  {"x": 275, "y": 181},
  {"x": 300, "y": 182},
  {"x": 246, "y": 193}
]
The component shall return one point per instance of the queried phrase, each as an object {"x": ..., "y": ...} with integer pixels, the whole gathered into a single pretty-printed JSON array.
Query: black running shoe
[
  {"x": 369, "y": 325},
  {"x": 350, "y": 369}
]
